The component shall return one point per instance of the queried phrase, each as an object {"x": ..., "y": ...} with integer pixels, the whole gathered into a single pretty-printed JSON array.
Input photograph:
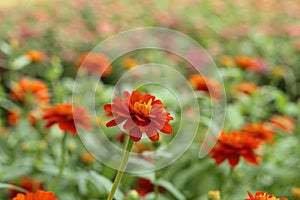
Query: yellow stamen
[{"x": 143, "y": 107}]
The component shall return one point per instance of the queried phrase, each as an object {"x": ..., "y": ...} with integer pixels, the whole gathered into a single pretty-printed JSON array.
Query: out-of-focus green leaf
[{"x": 20, "y": 62}]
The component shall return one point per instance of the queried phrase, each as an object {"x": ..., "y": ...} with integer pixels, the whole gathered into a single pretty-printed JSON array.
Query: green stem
[
  {"x": 62, "y": 163},
  {"x": 228, "y": 180},
  {"x": 120, "y": 173}
]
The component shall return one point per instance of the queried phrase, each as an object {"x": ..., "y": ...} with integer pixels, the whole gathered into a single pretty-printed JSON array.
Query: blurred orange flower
[
  {"x": 251, "y": 64},
  {"x": 233, "y": 145},
  {"x": 30, "y": 92},
  {"x": 66, "y": 116},
  {"x": 96, "y": 63},
  {"x": 283, "y": 123},
  {"x": 28, "y": 184},
  {"x": 87, "y": 158},
  {"x": 141, "y": 113},
  {"x": 35, "y": 56},
  {"x": 38, "y": 195},
  {"x": 247, "y": 88},
  {"x": 206, "y": 84},
  {"x": 263, "y": 196},
  {"x": 13, "y": 116},
  {"x": 260, "y": 131}
]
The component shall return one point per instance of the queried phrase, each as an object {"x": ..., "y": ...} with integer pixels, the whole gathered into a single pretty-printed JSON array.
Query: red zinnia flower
[
  {"x": 260, "y": 131},
  {"x": 28, "y": 184},
  {"x": 263, "y": 196},
  {"x": 30, "y": 91},
  {"x": 232, "y": 146},
  {"x": 141, "y": 113},
  {"x": 206, "y": 84},
  {"x": 13, "y": 116},
  {"x": 39, "y": 195},
  {"x": 95, "y": 63},
  {"x": 144, "y": 186},
  {"x": 66, "y": 117}
]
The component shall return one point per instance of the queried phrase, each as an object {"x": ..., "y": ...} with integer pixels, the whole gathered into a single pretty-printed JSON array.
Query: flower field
[{"x": 154, "y": 100}]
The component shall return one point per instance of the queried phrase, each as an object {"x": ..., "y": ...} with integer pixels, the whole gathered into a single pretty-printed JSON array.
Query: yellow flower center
[
  {"x": 265, "y": 196},
  {"x": 143, "y": 107}
]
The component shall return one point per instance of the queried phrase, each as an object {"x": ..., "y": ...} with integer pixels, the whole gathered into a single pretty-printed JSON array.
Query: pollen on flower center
[
  {"x": 265, "y": 196},
  {"x": 143, "y": 107}
]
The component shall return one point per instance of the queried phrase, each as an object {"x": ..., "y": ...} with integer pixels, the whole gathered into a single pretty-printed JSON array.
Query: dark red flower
[
  {"x": 28, "y": 184},
  {"x": 232, "y": 146},
  {"x": 66, "y": 117},
  {"x": 263, "y": 196},
  {"x": 145, "y": 186},
  {"x": 141, "y": 113}
]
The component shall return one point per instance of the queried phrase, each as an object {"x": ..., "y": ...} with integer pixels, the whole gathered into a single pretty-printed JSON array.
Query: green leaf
[
  {"x": 174, "y": 191},
  {"x": 20, "y": 62},
  {"x": 5, "y": 48},
  {"x": 101, "y": 181},
  {"x": 10, "y": 186}
]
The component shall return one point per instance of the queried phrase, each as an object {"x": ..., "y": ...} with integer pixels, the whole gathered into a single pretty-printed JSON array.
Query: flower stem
[
  {"x": 62, "y": 163},
  {"x": 226, "y": 184},
  {"x": 120, "y": 173}
]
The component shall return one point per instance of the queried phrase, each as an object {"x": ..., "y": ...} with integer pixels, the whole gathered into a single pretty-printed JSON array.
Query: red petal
[
  {"x": 111, "y": 123},
  {"x": 154, "y": 137},
  {"x": 233, "y": 160},
  {"x": 167, "y": 129},
  {"x": 107, "y": 108},
  {"x": 135, "y": 134},
  {"x": 129, "y": 125}
]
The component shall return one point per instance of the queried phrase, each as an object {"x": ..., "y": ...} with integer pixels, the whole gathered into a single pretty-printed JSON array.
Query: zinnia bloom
[
  {"x": 35, "y": 56},
  {"x": 251, "y": 64},
  {"x": 144, "y": 186},
  {"x": 95, "y": 63},
  {"x": 260, "y": 131},
  {"x": 28, "y": 184},
  {"x": 206, "y": 84},
  {"x": 38, "y": 195},
  {"x": 247, "y": 88},
  {"x": 13, "y": 116},
  {"x": 141, "y": 113},
  {"x": 283, "y": 123},
  {"x": 263, "y": 196},
  {"x": 66, "y": 117},
  {"x": 30, "y": 91},
  {"x": 232, "y": 146}
]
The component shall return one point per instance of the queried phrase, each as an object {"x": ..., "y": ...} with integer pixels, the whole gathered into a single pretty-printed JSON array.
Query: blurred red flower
[
  {"x": 28, "y": 184},
  {"x": 95, "y": 63},
  {"x": 66, "y": 116},
  {"x": 206, "y": 84},
  {"x": 247, "y": 88},
  {"x": 30, "y": 92},
  {"x": 260, "y": 131},
  {"x": 233, "y": 145},
  {"x": 141, "y": 113},
  {"x": 283, "y": 123},
  {"x": 38, "y": 195},
  {"x": 145, "y": 186},
  {"x": 13, "y": 116},
  {"x": 259, "y": 195}
]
